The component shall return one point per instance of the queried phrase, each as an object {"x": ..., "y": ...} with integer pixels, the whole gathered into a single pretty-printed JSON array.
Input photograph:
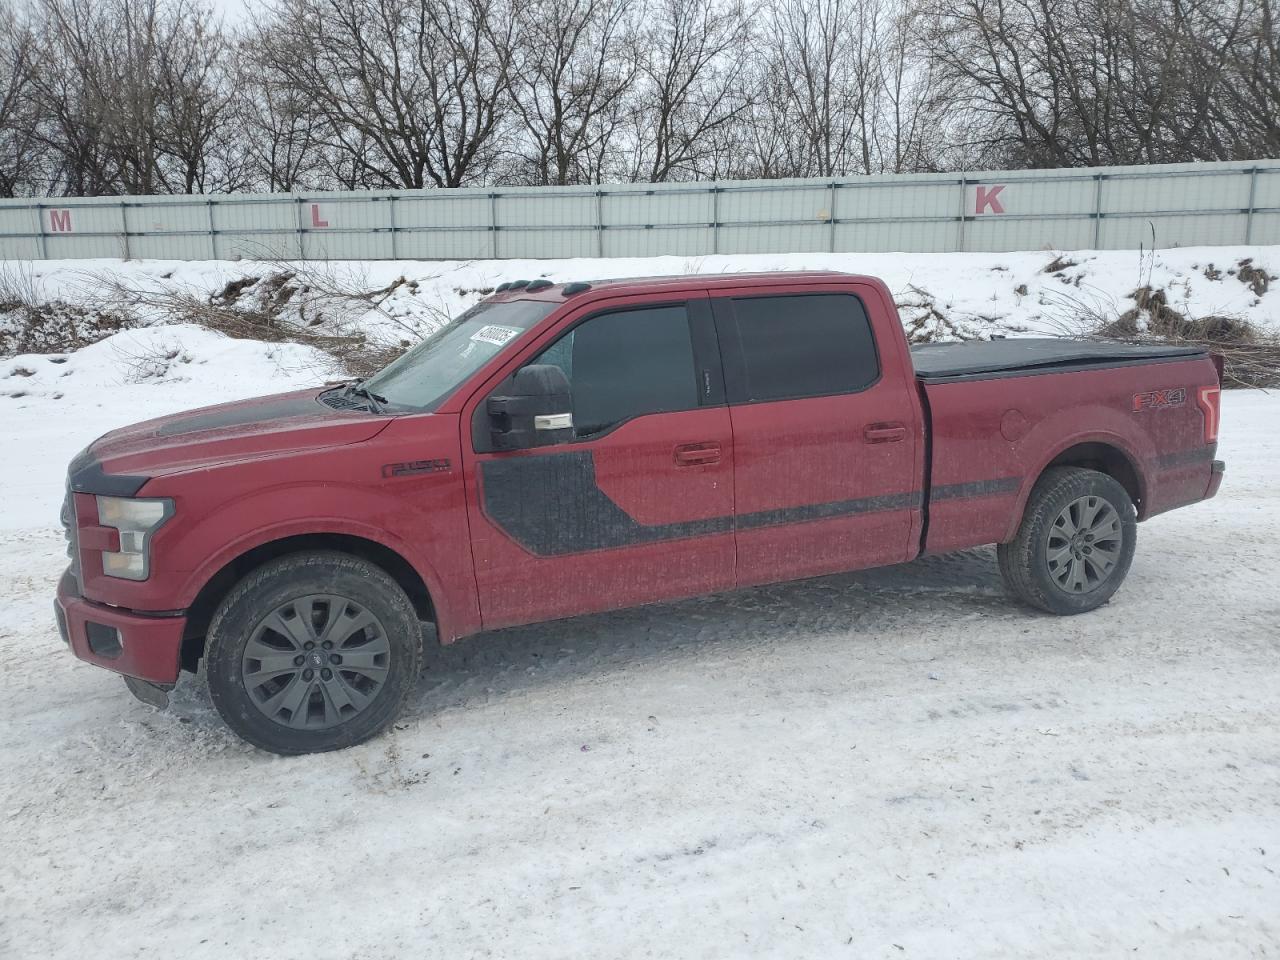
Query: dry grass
[
  {"x": 1251, "y": 355},
  {"x": 312, "y": 304},
  {"x": 923, "y": 320},
  {"x": 29, "y": 323}
]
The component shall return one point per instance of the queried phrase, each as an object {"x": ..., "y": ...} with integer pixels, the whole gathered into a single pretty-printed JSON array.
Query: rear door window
[{"x": 802, "y": 345}]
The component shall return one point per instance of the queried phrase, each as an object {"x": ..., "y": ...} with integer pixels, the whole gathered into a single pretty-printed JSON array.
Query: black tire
[
  {"x": 284, "y": 615},
  {"x": 1056, "y": 561}
]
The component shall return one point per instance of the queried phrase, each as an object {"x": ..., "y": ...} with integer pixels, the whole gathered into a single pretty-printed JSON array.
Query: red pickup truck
[{"x": 567, "y": 448}]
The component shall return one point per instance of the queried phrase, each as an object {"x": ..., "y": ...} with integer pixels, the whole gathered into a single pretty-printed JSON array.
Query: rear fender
[{"x": 1045, "y": 455}]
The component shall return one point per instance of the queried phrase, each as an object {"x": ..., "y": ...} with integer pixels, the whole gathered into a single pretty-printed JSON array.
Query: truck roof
[{"x": 621, "y": 286}]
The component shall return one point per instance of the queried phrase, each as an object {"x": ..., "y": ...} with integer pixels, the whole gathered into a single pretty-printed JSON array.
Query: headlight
[{"x": 136, "y": 520}]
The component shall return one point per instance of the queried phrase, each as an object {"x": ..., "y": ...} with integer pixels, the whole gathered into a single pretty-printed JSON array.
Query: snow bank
[
  {"x": 52, "y": 405},
  {"x": 969, "y": 294}
]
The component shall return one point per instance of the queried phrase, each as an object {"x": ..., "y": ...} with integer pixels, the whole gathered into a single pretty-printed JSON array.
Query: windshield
[{"x": 434, "y": 368}]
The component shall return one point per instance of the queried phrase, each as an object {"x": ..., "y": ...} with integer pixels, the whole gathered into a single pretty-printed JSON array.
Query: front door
[{"x": 638, "y": 505}]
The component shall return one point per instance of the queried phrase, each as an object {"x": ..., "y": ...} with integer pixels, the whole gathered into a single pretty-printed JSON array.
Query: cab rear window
[{"x": 804, "y": 345}]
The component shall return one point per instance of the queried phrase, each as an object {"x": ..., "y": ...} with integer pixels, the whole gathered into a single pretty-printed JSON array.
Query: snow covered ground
[{"x": 893, "y": 764}]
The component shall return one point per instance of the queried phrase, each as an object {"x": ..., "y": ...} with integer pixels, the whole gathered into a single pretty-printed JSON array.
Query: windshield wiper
[{"x": 376, "y": 400}]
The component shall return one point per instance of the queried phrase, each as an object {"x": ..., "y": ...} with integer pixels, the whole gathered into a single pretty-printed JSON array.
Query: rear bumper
[
  {"x": 1215, "y": 478},
  {"x": 132, "y": 644}
]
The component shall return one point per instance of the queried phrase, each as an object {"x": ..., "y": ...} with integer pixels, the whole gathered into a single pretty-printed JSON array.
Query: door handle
[
  {"x": 693, "y": 454},
  {"x": 884, "y": 433}
]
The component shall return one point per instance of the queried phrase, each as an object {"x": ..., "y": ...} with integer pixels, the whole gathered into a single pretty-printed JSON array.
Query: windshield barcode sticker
[{"x": 495, "y": 334}]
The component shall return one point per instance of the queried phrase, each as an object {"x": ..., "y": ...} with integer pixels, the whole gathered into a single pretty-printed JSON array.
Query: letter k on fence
[{"x": 990, "y": 197}]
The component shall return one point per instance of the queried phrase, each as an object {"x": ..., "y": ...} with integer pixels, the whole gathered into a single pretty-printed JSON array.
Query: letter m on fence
[
  {"x": 989, "y": 197},
  {"x": 60, "y": 221}
]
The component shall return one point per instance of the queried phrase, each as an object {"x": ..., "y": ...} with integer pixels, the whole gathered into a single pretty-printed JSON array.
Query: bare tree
[
  {"x": 413, "y": 92},
  {"x": 577, "y": 61},
  {"x": 19, "y": 154},
  {"x": 1246, "y": 35},
  {"x": 821, "y": 57},
  {"x": 910, "y": 105},
  {"x": 135, "y": 97},
  {"x": 284, "y": 139},
  {"x": 73, "y": 126},
  {"x": 692, "y": 88},
  {"x": 1088, "y": 82},
  {"x": 194, "y": 81},
  {"x": 152, "y": 96}
]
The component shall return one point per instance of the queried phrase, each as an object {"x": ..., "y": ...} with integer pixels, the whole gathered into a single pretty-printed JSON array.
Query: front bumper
[{"x": 136, "y": 645}]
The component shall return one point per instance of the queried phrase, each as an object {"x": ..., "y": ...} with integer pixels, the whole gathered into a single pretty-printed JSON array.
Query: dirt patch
[
  {"x": 1152, "y": 315},
  {"x": 1255, "y": 278},
  {"x": 230, "y": 293}
]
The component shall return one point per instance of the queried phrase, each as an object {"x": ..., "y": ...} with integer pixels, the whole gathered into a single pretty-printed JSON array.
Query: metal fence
[{"x": 1100, "y": 207}]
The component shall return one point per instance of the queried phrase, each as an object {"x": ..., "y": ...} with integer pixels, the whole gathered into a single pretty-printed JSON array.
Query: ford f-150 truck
[{"x": 561, "y": 449}]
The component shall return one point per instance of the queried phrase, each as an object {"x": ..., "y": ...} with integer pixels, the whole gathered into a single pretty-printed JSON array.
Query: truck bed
[
  {"x": 984, "y": 360},
  {"x": 998, "y": 414}
]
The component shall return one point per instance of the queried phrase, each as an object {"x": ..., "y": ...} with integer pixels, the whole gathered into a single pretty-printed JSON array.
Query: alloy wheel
[
  {"x": 315, "y": 662},
  {"x": 1084, "y": 544}
]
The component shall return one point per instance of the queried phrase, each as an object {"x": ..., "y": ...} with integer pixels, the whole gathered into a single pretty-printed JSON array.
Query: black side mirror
[{"x": 535, "y": 412}]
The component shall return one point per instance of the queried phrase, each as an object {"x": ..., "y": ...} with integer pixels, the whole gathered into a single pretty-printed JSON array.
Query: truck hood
[{"x": 282, "y": 423}]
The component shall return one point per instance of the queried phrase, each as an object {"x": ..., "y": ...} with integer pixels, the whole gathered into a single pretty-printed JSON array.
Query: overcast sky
[{"x": 234, "y": 10}]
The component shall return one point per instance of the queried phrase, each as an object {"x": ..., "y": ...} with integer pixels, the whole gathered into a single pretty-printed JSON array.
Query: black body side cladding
[{"x": 551, "y": 505}]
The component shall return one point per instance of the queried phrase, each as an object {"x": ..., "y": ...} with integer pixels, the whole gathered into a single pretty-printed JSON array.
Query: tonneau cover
[{"x": 975, "y": 359}]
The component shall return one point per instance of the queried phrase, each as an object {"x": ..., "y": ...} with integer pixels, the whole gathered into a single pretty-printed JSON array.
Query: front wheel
[
  {"x": 312, "y": 652},
  {"x": 1075, "y": 544}
]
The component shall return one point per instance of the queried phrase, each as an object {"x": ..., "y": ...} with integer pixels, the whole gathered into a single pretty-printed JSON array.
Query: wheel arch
[
  {"x": 216, "y": 586},
  {"x": 1103, "y": 455}
]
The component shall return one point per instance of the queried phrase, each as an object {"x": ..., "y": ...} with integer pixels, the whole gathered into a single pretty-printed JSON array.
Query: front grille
[
  {"x": 68, "y": 518},
  {"x": 341, "y": 400}
]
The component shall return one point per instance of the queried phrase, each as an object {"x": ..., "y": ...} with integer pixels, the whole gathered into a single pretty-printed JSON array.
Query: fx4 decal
[{"x": 1159, "y": 399}]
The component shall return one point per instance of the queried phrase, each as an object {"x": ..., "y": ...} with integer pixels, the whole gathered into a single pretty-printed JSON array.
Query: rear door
[
  {"x": 826, "y": 432},
  {"x": 638, "y": 505}
]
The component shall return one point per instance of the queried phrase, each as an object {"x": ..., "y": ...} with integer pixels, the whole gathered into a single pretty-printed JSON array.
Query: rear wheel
[
  {"x": 312, "y": 652},
  {"x": 1075, "y": 544}
]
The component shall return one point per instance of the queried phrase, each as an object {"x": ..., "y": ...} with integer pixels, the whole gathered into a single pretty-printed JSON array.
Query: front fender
[{"x": 262, "y": 517}]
